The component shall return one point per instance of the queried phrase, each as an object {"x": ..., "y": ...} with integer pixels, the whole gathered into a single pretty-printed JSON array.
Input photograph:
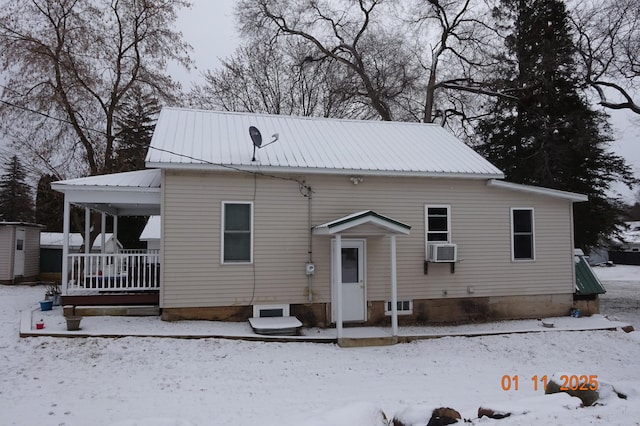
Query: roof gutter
[{"x": 538, "y": 190}]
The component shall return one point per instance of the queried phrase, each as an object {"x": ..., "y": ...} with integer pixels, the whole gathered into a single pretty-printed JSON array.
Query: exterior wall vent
[{"x": 405, "y": 307}]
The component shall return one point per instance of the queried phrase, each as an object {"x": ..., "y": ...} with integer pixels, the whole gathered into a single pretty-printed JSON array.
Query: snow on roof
[
  {"x": 630, "y": 234},
  {"x": 144, "y": 179},
  {"x": 151, "y": 230},
  {"x": 186, "y": 138},
  {"x": 55, "y": 239}
]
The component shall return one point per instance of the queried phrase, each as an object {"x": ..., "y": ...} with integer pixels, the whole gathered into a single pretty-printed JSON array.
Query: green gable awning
[{"x": 587, "y": 282}]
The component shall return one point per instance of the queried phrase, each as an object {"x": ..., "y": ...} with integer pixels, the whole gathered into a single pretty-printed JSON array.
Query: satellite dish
[{"x": 256, "y": 137}]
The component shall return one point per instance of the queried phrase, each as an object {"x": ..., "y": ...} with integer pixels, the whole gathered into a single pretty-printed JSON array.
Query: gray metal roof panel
[
  {"x": 146, "y": 179},
  {"x": 185, "y": 137}
]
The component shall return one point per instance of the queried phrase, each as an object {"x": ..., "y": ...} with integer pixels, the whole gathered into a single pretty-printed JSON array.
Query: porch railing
[{"x": 113, "y": 272}]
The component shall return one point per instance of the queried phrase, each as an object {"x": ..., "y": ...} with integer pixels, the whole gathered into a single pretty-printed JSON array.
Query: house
[
  {"x": 337, "y": 221},
  {"x": 20, "y": 254},
  {"x": 51, "y": 250},
  {"x": 625, "y": 249},
  {"x": 151, "y": 233}
]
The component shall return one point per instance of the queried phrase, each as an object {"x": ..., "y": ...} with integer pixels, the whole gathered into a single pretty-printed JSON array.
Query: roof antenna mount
[{"x": 256, "y": 137}]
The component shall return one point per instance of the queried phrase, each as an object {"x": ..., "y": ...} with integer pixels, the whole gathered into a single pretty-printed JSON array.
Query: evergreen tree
[
  {"x": 49, "y": 205},
  {"x": 550, "y": 136},
  {"x": 135, "y": 129},
  {"x": 16, "y": 204}
]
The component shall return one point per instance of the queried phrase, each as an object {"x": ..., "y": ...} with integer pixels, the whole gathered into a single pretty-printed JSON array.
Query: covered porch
[
  {"x": 348, "y": 268},
  {"x": 120, "y": 276}
]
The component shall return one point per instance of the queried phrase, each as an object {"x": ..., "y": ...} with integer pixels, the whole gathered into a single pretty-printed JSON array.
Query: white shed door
[{"x": 18, "y": 260}]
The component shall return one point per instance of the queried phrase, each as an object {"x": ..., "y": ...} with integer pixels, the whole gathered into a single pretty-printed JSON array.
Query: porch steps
[
  {"x": 106, "y": 310},
  {"x": 358, "y": 342}
]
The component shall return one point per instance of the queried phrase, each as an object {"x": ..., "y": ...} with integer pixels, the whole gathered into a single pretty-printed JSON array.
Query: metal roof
[
  {"x": 361, "y": 218},
  {"x": 135, "y": 193},
  {"x": 56, "y": 240},
  {"x": 571, "y": 196},
  {"x": 143, "y": 179},
  {"x": 187, "y": 138},
  {"x": 151, "y": 230},
  {"x": 587, "y": 282}
]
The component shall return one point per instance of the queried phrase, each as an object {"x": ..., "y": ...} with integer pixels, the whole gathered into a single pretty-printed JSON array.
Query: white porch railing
[{"x": 113, "y": 272}]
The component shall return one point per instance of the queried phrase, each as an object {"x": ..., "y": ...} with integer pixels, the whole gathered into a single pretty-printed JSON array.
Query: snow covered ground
[{"x": 143, "y": 381}]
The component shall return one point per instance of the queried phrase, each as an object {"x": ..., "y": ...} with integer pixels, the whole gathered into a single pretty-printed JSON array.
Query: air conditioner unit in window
[{"x": 442, "y": 252}]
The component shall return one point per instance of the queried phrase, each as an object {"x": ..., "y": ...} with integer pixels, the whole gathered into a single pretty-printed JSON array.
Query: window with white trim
[
  {"x": 522, "y": 234},
  {"x": 237, "y": 230},
  {"x": 437, "y": 223},
  {"x": 405, "y": 307}
]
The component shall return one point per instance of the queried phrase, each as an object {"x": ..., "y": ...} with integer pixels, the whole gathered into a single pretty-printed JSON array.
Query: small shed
[
  {"x": 151, "y": 233},
  {"x": 20, "y": 259},
  {"x": 51, "y": 250}
]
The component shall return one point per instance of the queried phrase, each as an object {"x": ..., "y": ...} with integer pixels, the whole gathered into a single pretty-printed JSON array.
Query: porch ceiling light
[{"x": 355, "y": 179}]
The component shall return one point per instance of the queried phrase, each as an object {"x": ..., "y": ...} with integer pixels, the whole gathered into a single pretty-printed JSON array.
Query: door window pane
[{"x": 350, "y": 265}]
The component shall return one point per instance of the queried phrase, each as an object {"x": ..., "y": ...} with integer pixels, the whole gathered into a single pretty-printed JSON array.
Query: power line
[{"x": 302, "y": 184}]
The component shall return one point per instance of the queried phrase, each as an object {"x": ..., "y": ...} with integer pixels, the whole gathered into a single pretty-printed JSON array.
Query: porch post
[
  {"x": 337, "y": 261},
  {"x": 394, "y": 289},
  {"x": 65, "y": 244},
  {"x": 103, "y": 228},
  {"x": 87, "y": 230},
  {"x": 115, "y": 232}
]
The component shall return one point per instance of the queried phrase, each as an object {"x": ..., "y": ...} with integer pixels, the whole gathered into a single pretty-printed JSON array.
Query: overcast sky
[{"x": 209, "y": 27}]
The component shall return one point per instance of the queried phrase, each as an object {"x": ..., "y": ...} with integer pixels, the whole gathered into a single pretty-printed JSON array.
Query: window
[
  {"x": 237, "y": 225},
  {"x": 405, "y": 307},
  {"x": 438, "y": 224},
  {"x": 268, "y": 311},
  {"x": 522, "y": 227}
]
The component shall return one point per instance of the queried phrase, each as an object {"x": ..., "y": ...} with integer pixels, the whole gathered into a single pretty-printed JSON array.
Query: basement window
[
  {"x": 270, "y": 311},
  {"x": 405, "y": 307}
]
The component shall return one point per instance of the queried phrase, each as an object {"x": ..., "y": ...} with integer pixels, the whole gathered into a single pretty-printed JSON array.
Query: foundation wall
[{"x": 426, "y": 311}]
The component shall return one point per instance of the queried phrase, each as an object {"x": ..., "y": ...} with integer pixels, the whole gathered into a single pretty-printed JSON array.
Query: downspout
[{"x": 310, "y": 248}]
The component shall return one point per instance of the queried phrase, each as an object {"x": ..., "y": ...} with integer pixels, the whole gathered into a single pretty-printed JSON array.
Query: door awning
[{"x": 365, "y": 222}]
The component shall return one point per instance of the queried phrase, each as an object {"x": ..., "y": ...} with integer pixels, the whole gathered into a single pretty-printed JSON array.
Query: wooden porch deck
[{"x": 112, "y": 298}]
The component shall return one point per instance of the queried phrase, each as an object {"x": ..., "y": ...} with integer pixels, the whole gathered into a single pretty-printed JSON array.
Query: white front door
[
  {"x": 353, "y": 281},
  {"x": 18, "y": 260}
]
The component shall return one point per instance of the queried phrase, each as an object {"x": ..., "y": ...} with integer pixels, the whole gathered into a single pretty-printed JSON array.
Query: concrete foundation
[{"x": 425, "y": 311}]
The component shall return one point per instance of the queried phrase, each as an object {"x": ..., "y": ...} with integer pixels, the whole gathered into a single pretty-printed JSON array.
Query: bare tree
[
  {"x": 275, "y": 77},
  {"x": 608, "y": 40},
  {"x": 457, "y": 49},
  {"x": 350, "y": 37},
  {"x": 68, "y": 67},
  {"x": 407, "y": 60}
]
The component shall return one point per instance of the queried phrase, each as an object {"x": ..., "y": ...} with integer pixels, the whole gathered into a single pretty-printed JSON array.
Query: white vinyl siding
[
  {"x": 237, "y": 232},
  {"x": 522, "y": 234},
  {"x": 480, "y": 226}
]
